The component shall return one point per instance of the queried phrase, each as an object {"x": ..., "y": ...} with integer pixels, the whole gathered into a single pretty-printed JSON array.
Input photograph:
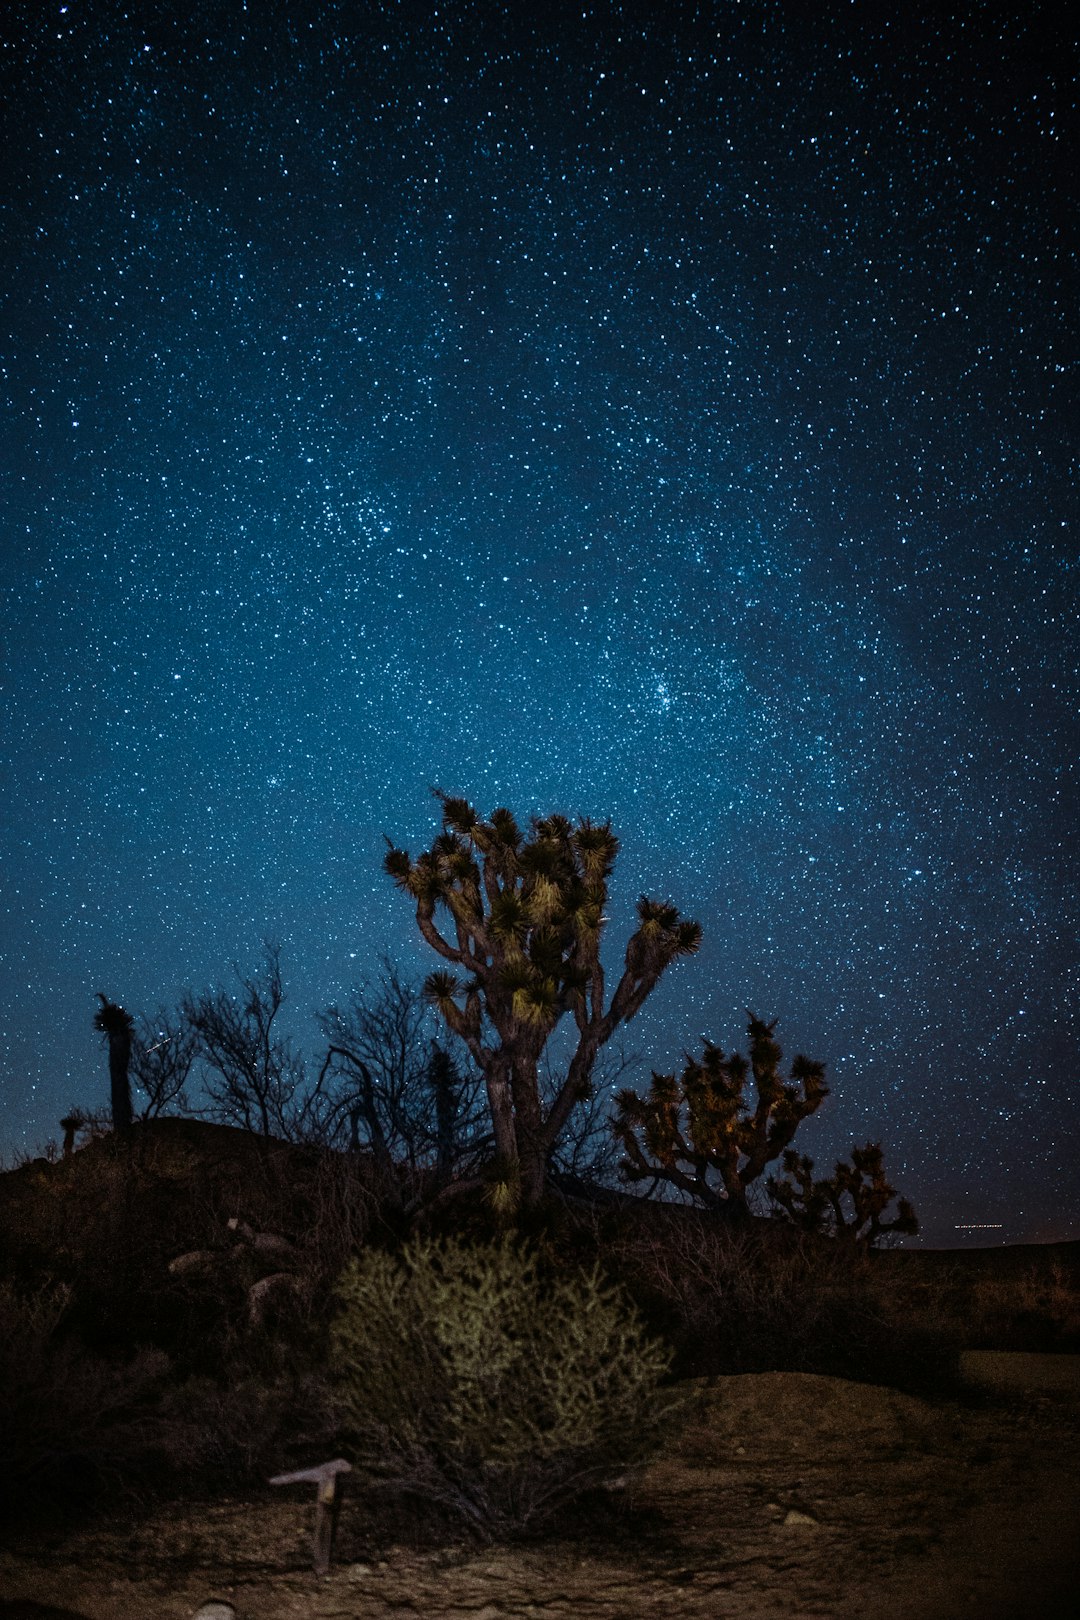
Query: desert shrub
[
  {"x": 121, "y": 1227},
  {"x": 79, "y": 1430},
  {"x": 470, "y": 1378},
  {"x": 731, "y": 1299},
  {"x": 218, "y": 1434},
  {"x": 1037, "y": 1308},
  {"x": 765, "y": 1297},
  {"x": 72, "y": 1424}
]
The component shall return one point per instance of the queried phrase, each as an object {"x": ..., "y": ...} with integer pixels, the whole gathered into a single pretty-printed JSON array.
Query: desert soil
[{"x": 786, "y": 1495}]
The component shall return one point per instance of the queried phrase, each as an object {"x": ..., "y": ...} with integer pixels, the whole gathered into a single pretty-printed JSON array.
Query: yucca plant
[{"x": 523, "y": 916}]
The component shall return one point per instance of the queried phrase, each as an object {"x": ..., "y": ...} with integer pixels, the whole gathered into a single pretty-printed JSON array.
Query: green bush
[{"x": 471, "y": 1379}]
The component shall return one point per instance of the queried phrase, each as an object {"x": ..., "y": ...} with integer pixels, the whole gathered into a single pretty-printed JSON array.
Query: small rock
[
  {"x": 198, "y": 1260},
  {"x": 793, "y": 1517},
  {"x": 216, "y": 1609},
  {"x": 271, "y": 1243},
  {"x": 268, "y": 1291}
]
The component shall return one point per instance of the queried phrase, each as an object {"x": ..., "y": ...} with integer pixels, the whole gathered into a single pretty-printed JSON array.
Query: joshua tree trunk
[{"x": 115, "y": 1024}]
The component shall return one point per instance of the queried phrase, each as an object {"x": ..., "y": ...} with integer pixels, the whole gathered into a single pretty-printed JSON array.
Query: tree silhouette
[
  {"x": 850, "y": 1203},
  {"x": 162, "y": 1059},
  {"x": 700, "y": 1134},
  {"x": 400, "y": 1095},
  {"x": 115, "y": 1024},
  {"x": 253, "y": 1078},
  {"x": 524, "y": 917}
]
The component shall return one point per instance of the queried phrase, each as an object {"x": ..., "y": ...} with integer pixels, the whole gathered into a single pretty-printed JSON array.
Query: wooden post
[{"x": 325, "y": 1476}]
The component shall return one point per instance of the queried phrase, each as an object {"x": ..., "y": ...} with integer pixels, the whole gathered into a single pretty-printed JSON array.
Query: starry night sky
[{"x": 655, "y": 413}]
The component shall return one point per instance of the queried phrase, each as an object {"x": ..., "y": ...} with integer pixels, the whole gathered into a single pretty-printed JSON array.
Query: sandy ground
[{"x": 787, "y": 1495}]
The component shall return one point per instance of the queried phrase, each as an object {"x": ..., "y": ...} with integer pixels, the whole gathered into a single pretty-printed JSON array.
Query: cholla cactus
[
  {"x": 524, "y": 917},
  {"x": 850, "y": 1204},
  {"x": 701, "y": 1135},
  {"x": 469, "y": 1378}
]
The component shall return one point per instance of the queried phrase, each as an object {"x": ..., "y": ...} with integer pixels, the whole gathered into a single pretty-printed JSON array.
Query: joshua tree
[
  {"x": 849, "y": 1204},
  {"x": 699, "y": 1133},
  {"x": 524, "y": 917},
  {"x": 116, "y": 1025}
]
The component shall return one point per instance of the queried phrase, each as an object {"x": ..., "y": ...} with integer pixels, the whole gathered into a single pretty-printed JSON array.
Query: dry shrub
[
  {"x": 216, "y": 1434},
  {"x": 72, "y": 1425},
  {"x": 470, "y": 1379},
  {"x": 760, "y": 1296},
  {"x": 111, "y": 1221},
  {"x": 79, "y": 1430},
  {"x": 124, "y": 1376},
  {"x": 1035, "y": 1309}
]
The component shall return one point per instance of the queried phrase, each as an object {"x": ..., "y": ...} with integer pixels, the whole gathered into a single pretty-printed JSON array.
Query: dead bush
[
  {"x": 1036, "y": 1309},
  {"x": 72, "y": 1424},
  {"x": 760, "y": 1296}
]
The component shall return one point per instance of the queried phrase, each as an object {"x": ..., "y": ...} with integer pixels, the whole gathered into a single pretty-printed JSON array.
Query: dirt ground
[{"x": 786, "y": 1495}]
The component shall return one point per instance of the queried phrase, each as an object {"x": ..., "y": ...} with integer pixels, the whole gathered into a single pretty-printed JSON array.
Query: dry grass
[{"x": 766, "y": 1297}]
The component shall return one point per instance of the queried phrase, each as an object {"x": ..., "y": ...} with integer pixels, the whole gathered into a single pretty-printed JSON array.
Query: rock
[
  {"x": 262, "y": 1242},
  {"x": 215, "y": 1609},
  {"x": 193, "y": 1264},
  {"x": 794, "y": 1517},
  {"x": 268, "y": 1292},
  {"x": 271, "y": 1243}
]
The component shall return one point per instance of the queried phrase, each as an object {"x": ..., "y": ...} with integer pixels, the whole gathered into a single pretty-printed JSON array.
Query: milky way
[{"x": 649, "y": 414}]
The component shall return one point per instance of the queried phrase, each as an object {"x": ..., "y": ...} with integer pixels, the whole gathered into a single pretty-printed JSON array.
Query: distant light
[{"x": 977, "y": 1226}]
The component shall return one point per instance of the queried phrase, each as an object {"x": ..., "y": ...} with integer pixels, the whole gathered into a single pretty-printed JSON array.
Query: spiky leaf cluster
[
  {"x": 702, "y": 1134},
  {"x": 112, "y": 1021},
  {"x": 851, "y": 1203},
  {"x": 525, "y": 914}
]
